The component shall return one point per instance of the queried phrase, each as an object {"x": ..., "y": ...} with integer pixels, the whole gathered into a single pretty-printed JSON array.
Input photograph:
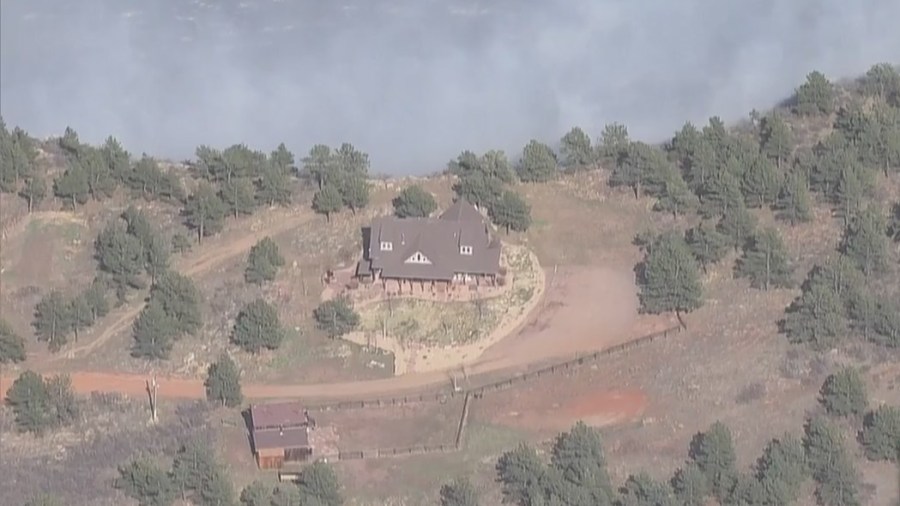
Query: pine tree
[
  {"x": 217, "y": 490},
  {"x": 30, "y": 402},
  {"x": 34, "y": 191},
  {"x": 520, "y": 471},
  {"x": 707, "y": 244},
  {"x": 866, "y": 242},
  {"x": 538, "y": 163},
  {"x": 121, "y": 255},
  {"x": 82, "y": 315},
  {"x": 880, "y": 436},
  {"x": 575, "y": 148},
  {"x": 641, "y": 490},
  {"x": 793, "y": 203},
  {"x": 263, "y": 262},
  {"x": 73, "y": 186},
  {"x": 256, "y": 493},
  {"x": 223, "y": 382},
  {"x": 272, "y": 187},
  {"x": 690, "y": 485},
  {"x": 53, "y": 320},
  {"x": 95, "y": 296},
  {"x": 143, "y": 480},
  {"x": 511, "y": 212},
  {"x": 766, "y": 261},
  {"x": 781, "y": 470},
  {"x": 319, "y": 485},
  {"x": 12, "y": 346},
  {"x": 459, "y": 492},
  {"x": 414, "y": 202},
  {"x": 815, "y": 317},
  {"x": 154, "y": 332},
  {"x": 193, "y": 465},
  {"x": 238, "y": 196},
  {"x": 320, "y": 164},
  {"x": 760, "y": 183},
  {"x": 670, "y": 280},
  {"x": 354, "y": 192},
  {"x": 831, "y": 467},
  {"x": 327, "y": 201},
  {"x": 815, "y": 96},
  {"x": 257, "y": 327},
  {"x": 720, "y": 193},
  {"x": 579, "y": 457},
  {"x": 336, "y": 317},
  {"x": 738, "y": 225},
  {"x": 844, "y": 393},
  {"x": 776, "y": 141},
  {"x": 117, "y": 159},
  {"x": 676, "y": 197},
  {"x": 480, "y": 189},
  {"x": 180, "y": 300},
  {"x": 614, "y": 142},
  {"x": 181, "y": 243},
  {"x": 205, "y": 211}
]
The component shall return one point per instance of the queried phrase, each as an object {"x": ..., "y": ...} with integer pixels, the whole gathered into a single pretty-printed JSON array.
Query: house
[
  {"x": 437, "y": 253},
  {"x": 280, "y": 433}
]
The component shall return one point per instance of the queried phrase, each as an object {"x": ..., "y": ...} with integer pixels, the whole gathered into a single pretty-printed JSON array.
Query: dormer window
[
  {"x": 418, "y": 258},
  {"x": 465, "y": 250},
  {"x": 387, "y": 246}
]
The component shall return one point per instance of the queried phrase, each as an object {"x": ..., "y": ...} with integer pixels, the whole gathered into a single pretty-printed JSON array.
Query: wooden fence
[{"x": 472, "y": 393}]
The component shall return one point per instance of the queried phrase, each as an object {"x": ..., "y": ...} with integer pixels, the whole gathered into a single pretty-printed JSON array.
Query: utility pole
[{"x": 152, "y": 391}]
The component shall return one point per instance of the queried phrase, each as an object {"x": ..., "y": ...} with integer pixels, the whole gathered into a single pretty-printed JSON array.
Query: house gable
[{"x": 418, "y": 258}]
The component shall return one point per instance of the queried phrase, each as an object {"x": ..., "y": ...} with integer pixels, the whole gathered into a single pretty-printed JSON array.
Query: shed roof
[
  {"x": 296, "y": 437},
  {"x": 283, "y": 414}
]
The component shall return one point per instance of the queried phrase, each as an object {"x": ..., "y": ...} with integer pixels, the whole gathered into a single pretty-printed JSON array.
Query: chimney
[
  {"x": 281, "y": 430},
  {"x": 402, "y": 238}
]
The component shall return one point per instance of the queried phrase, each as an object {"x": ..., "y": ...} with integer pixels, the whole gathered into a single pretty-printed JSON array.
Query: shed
[{"x": 280, "y": 433}]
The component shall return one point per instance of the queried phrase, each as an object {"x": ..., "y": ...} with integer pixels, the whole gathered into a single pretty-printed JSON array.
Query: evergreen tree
[
  {"x": 760, "y": 183},
  {"x": 781, "y": 470},
  {"x": 319, "y": 485},
  {"x": 216, "y": 489},
  {"x": 272, "y": 187},
  {"x": 776, "y": 141},
  {"x": 30, "y": 402},
  {"x": 154, "y": 332},
  {"x": 351, "y": 162},
  {"x": 720, "y": 193},
  {"x": 815, "y": 96},
  {"x": 12, "y": 346},
  {"x": 146, "y": 482},
  {"x": 256, "y": 493},
  {"x": 414, "y": 202},
  {"x": 480, "y": 189},
  {"x": 640, "y": 166},
  {"x": 815, "y": 317},
  {"x": 538, "y": 163},
  {"x": 263, "y": 262},
  {"x": 193, "y": 465},
  {"x": 579, "y": 457},
  {"x": 837, "y": 478},
  {"x": 642, "y": 490},
  {"x": 336, "y": 317},
  {"x": 354, "y": 192},
  {"x": 73, "y": 186},
  {"x": 737, "y": 224},
  {"x": 614, "y": 142},
  {"x": 181, "y": 243},
  {"x": 689, "y": 484},
  {"x": 327, "y": 201},
  {"x": 511, "y": 212},
  {"x": 205, "y": 211},
  {"x": 180, "y": 300},
  {"x": 850, "y": 193},
  {"x": 100, "y": 179},
  {"x": 766, "y": 261},
  {"x": 520, "y": 471},
  {"x": 669, "y": 279},
  {"x": 95, "y": 296},
  {"x": 64, "y": 405},
  {"x": 684, "y": 145},
  {"x": 117, "y": 159},
  {"x": 238, "y": 196},
  {"x": 258, "y": 327},
  {"x": 880, "y": 436},
  {"x": 459, "y": 492},
  {"x": 793, "y": 203},
  {"x": 121, "y": 255},
  {"x": 676, "y": 197},
  {"x": 53, "y": 320},
  {"x": 82, "y": 315},
  {"x": 34, "y": 191},
  {"x": 575, "y": 148},
  {"x": 320, "y": 164},
  {"x": 707, "y": 244},
  {"x": 713, "y": 451},
  {"x": 282, "y": 159},
  {"x": 223, "y": 382},
  {"x": 844, "y": 393},
  {"x": 70, "y": 143},
  {"x": 866, "y": 242}
]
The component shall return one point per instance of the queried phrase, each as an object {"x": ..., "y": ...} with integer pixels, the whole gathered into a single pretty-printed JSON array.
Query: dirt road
[{"x": 217, "y": 251}]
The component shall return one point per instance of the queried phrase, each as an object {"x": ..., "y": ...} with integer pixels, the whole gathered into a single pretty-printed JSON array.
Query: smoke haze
[{"x": 414, "y": 82}]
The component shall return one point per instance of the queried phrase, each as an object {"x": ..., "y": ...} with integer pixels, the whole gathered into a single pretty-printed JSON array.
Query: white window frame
[
  {"x": 418, "y": 258},
  {"x": 465, "y": 250},
  {"x": 387, "y": 246}
]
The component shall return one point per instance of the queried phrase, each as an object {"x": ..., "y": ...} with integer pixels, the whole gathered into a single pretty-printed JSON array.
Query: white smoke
[{"x": 414, "y": 82}]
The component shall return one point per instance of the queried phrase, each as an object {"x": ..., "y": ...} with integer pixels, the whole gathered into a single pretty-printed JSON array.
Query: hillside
[{"x": 771, "y": 247}]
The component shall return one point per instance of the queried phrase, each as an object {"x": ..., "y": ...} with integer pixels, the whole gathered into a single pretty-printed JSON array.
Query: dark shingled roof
[
  {"x": 438, "y": 240},
  {"x": 297, "y": 437},
  {"x": 282, "y": 414}
]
